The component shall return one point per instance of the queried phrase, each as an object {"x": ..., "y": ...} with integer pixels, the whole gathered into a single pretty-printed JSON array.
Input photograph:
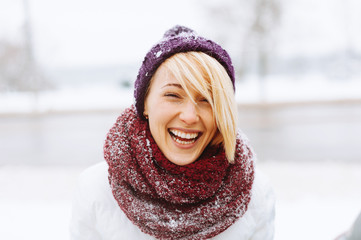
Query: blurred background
[{"x": 67, "y": 70}]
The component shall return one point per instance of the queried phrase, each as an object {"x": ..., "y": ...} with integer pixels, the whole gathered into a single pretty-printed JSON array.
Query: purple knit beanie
[{"x": 175, "y": 40}]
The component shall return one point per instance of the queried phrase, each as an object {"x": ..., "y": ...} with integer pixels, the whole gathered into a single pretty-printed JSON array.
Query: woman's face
[{"x": 181, "y": 128}]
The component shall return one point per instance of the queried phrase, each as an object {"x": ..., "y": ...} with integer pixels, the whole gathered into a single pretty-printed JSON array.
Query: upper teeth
[{"x": 184, "y": 135}]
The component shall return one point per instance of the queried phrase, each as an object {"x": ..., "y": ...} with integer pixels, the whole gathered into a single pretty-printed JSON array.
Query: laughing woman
[{"x": 175, "y": 166}]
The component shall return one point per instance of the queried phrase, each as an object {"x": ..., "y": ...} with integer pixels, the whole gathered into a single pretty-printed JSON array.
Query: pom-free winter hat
[{"x": 175, "y": 40}]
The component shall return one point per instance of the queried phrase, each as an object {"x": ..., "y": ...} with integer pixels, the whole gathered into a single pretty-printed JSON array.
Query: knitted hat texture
[{"x": 175, "y": 40}]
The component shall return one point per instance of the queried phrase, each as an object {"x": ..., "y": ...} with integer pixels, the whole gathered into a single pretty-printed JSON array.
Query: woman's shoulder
[
  {"x": 96, "y": 206},
  {"x": 95, "y": 170},
  {"x": 263, "y": 198},
  {"x": 261, "y": 209},
  {"x": 93, "y": 182},
  {"x": 262, "y": 188},
  {"x": 92, "y": 174}
]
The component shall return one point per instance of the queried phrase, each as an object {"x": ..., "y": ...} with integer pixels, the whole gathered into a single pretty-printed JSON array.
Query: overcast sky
[
  {"x": 93, "y": 32},
  {"x": 89, "y": 32}
]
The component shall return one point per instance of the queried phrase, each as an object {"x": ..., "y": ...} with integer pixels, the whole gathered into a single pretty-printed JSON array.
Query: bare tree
[
  {"x": 18, "y": 68},
  {"x": 247, "y": 28},
  {"x": 17, "y": 73},
  {"x": 267, "y": 16}
]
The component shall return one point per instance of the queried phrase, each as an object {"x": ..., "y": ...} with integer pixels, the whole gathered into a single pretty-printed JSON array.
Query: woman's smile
[
  {"x": 181, "y": 122},
  {"x": 184, "y": 139}
]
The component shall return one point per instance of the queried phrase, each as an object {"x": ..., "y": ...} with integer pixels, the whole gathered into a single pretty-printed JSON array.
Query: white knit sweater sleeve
[
  {"x": 263, "y": 205},
  {"x": 83, "y": 218}
]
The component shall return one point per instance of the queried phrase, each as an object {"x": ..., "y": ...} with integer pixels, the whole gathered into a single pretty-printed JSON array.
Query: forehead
[
  {"x": 184, "y": 79},
  {"x": 163, "y": 78}
]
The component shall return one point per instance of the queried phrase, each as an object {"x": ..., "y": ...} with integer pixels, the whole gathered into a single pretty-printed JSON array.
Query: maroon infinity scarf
[{"x": 196, "y": 201}]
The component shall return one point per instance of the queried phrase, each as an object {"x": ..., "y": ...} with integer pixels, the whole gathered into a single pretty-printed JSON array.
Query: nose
[{"x": 189, "y": 113}]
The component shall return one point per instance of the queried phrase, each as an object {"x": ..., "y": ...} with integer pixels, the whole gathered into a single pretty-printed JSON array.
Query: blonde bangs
[{"x": 205, "y": 75}]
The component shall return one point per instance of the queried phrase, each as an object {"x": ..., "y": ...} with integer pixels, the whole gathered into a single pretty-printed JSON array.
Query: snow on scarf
[{"x": 196, "y": 201}]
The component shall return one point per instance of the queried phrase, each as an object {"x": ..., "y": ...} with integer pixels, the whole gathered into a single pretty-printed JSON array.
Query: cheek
[
  {"x": 210, "y": 121},
  {"x": 157, "y": 113},
  {"x": 213, "y": 129},
  {"x": 158, "y": 122}
]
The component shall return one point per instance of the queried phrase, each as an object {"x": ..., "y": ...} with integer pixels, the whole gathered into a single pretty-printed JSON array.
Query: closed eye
[
  {"x": 171, "y": 95},
  {"x": 203, "y": 100}
]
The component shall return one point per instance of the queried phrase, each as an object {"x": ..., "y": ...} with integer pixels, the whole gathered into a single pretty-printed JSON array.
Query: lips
[{"x": 184, "y": 137}]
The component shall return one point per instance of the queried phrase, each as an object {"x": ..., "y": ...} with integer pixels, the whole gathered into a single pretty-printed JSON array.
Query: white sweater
[{"x": 96, "y": 215}]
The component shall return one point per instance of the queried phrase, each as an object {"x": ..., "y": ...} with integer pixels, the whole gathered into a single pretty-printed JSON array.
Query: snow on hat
[{"x": 175, "y": 40}]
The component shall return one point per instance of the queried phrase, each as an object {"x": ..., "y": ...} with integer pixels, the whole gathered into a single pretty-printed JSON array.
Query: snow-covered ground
[{"x": 314, "y": 200}]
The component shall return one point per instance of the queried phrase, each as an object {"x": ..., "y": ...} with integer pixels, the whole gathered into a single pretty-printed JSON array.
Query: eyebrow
[{"x": 173, "y": 85}]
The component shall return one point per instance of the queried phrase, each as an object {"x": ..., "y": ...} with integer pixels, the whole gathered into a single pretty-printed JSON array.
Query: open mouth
[{"x": 184, "y": 137}]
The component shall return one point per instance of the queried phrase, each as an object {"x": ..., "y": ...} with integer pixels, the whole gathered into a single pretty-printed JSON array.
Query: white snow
[
  {"x": 35, "y": 202},
  {"x": 307, "y": 88},
  {"x": 100, "y": 97},
  {"x": 276, "y": 89},
  {"x": 158, "y": 53},
  {"x": 315, "y": 200}
]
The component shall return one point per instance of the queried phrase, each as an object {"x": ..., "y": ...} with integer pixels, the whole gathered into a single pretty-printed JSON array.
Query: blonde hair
[{"x": 206, "y": 75}]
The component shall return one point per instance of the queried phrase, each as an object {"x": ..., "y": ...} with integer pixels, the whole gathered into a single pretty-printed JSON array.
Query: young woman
[{"x": 175, "y": 167}]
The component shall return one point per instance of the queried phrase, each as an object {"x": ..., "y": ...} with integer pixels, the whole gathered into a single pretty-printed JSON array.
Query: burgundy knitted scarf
[{"x": 196, "y": 201}]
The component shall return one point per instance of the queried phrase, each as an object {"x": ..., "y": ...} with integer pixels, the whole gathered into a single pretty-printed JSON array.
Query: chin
[{"x": 179, "y": 160}]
